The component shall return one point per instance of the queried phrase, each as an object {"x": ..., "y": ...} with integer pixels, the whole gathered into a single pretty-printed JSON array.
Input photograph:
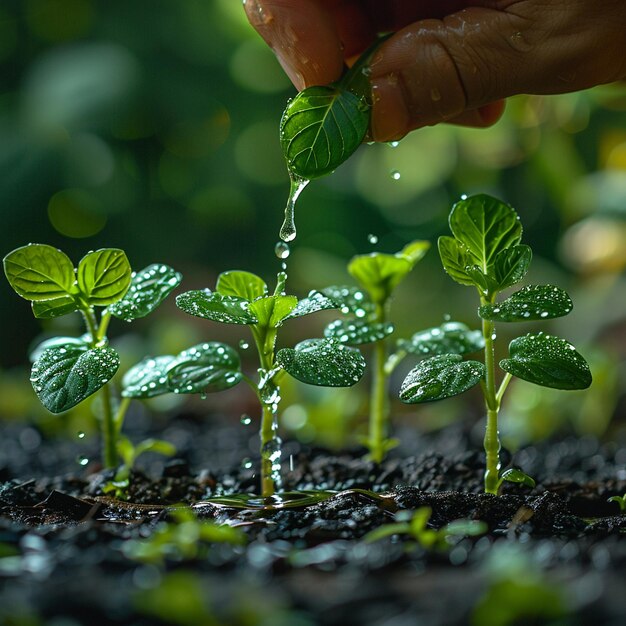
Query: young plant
[
  {"x": 183, "y": 538},
  {"x": 243, "y": 298},
  {"x": 366, "y": 321},
  {"x": 68, "y": 370},
  {"x": 485, "y": 252},
  {"x": 414, "y": 524},
  {"x": 620, "y": 501}
]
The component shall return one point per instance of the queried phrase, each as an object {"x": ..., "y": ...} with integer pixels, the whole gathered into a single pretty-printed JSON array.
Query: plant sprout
[
  {"x": 68, "y": 370},
  {"x": 243, "y": 298},
  {"x": 485, "y": 252},
  {"x": 414, "y": 524},
  {"x": 620, "y": 501},
  {"x": 366, "y": 321}
]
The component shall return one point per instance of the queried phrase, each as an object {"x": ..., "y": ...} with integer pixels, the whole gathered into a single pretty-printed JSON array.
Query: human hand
[{"x": 448, "y": 60}]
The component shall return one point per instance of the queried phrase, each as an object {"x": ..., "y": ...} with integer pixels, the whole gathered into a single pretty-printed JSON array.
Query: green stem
[
  {"x": 492, "y": 439},
  {"x": 378, "y": 400},
  {"x": 265, "y": 340},
  {"x": 107, "y": 426},
  {"x": 120, "y": 414}
]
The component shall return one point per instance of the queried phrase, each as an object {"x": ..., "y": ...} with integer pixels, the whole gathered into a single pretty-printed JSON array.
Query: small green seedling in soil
[
  {"x": 620, "y": 501},
  {"x": 486, "y": 252},
  {"x": 243, "y": 298},
  {"x": 184, "y": 538},
  {"x": 68, "y": 370},
  {"x": 365, "y": 321},
  {"x": 321, "y": 127},
  {"x": 414, "y": 524}
]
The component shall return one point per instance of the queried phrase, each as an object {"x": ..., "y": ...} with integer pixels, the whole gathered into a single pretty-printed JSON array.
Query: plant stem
[
  {"x": 378, "y": 399},
  {"x": 120, "y": 414},
  {"x": 108, "y": 429},
  {"x": 268, "y": 393},
  {"x": 492, "y": 439}
]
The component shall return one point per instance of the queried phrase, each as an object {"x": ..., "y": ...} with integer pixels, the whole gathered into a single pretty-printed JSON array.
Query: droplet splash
[{"x": 288, "y": 229}]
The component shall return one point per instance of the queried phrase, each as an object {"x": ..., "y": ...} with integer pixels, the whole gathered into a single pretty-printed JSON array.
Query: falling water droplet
[
  {"x": 203, "y": 395},
  {"x": 288, "y": 229},
  {"x": 82, "y": 460},
  {"x": 395, "y": 174},
  {"x": 373, "y": 239},
  {"x": 243, "y": 344},
  {"x": 447, "y": 317},
  {"x": 282, "y": 250},
  {"x": 80, "y": 434},
  {"x": 393, "y": 144},
  {"x": 246, "y": 464},
  {"x": 246, "y": 420},
  {"x": 463, "y": 196}
]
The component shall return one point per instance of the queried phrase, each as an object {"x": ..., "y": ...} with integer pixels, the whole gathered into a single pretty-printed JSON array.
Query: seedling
[
  {"x": 485, "y": 252},
  {"x": 366, "y": 321},
  {"x": 321, "y": 127},
  {"x": 414, "y": 524},
  {"x": 183, "y": 538},
  {"x": 243, "y": 298},
  {"x": 620, "y": 501},
  {"x": 68, "y": 370}
]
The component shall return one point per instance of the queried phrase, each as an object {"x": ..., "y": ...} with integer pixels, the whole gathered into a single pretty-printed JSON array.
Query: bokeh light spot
[
  {"x": 76, "y": 213},
  {"x": 258, "y": 154},
  {"x": 267, "y": 77}
]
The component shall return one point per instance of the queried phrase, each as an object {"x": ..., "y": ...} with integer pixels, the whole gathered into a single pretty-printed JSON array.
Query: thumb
[{"x": 438, "y": 70}]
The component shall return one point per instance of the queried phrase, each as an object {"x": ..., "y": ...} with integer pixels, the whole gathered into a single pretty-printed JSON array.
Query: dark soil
[{"x": 552, "y": 555}]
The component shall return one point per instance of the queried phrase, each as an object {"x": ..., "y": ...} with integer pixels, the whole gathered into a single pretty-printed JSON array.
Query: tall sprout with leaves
[
  {"x": 485, "y": 252},
  {"x": 244, "y": 298},
  {"x": 68, "y": 370},
  {"x": 366, "y": 321}
]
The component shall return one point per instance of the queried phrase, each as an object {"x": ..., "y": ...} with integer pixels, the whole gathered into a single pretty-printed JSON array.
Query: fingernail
[{"x": 390, "y": 117}]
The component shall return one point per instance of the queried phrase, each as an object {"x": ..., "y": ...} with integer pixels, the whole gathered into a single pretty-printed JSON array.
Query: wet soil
[{"x": 555, "y": 554}]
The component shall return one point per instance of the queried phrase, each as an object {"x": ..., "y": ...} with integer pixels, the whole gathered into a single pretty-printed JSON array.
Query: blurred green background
[{"x": 151, "y": 125}]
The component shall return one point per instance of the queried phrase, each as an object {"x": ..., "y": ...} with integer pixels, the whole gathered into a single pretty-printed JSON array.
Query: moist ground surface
[{"x": 558, "y": 550}]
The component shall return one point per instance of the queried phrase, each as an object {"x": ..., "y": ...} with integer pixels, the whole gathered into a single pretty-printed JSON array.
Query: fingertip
[{"x": 304, "y": 39}]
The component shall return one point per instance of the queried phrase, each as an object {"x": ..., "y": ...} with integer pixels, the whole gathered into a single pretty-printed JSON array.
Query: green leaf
[
  {"x": 241, "y": 285},
  {"x": 415, "y": 251},
  {"x": 449, "y": 338},
  {"x": 387, "y": 530},
  {"x": 47, "y": 309},
  {"x": 533, "y": 302},
  {"x": 205, "y": 368},
  {"x": 515, "y": 475},
  {"x": 511, "y": 265},
  {"x": 455, "y": 260},
  {"x": 216, "y": 307},
  {"x": 148, "y": 378},
  {"x": 465, "y": 528},
  {"x": 63, "y": 376},
  {"x": 314, "y": 302},
  {"x": 358, "y": 331},
  {"x": 271, "y": 311},
  {"x": 440, "y": 377},
  {"x": 104, "y": 276},
  {"x": 59, "y": 342},
  {"x": 547, "y": 361},
  {"x": 148, "y": 289},
  {"x": 350, "y": 300},
  {"x": 322, "y": 362},
  {"x": 379, "y": 274},
  {"x": 320, "y": 128},
  {"x": 485, "y": 226},
  {"x": 39, "y": 272},
  {"x": 158, "y": 446}
]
